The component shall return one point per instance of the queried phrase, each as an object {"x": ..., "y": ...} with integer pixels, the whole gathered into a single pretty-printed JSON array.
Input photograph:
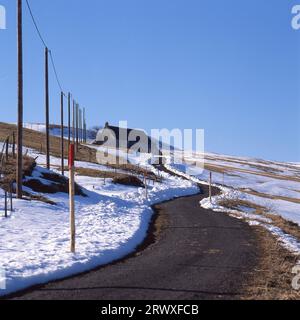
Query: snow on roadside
[
  {"x": 286, "y": 240},
  {"x": 111, "y": 222}
]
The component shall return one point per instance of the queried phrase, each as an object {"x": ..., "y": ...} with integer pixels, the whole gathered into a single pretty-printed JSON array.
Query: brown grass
[
  {"x": 118, "y": 178},
  {"x": 272, "y": 279},
  {"x": 286, "y": 226},
  {"x": 9, "y": 169},
  {"x": 129, "y": 181},
  {"x": 289, "y": 227},
  {"x": 36, "y": 140},
  {"x": 236, "y": 204}
]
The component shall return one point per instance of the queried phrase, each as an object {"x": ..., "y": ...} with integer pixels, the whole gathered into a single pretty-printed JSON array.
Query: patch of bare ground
[
  {"x": 115, "y": 173},
  {"x": 55, "y": 183},
  {"x": 117, "y": 178},
  {"x": 272, "y": 279},
  {"x": 129, "y": 181}
]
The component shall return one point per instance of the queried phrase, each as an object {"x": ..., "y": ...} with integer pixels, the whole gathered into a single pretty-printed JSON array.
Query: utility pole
[
  {"x": 19, "y": 175},
  {"x": 84, "y": 126},
  {"x": 62, "y": 132},
  {"x": 77, "y": 136},
  {"x": 79, "y": 120},
  {"x": 69, "y": 118},
  {"x": 73, "y": 124},
  {"x": 47, "y": 109},
  {"x": 80, "y": 125}
]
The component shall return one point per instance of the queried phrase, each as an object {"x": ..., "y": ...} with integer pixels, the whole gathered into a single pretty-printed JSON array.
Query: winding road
[{"x": 197, "y": 254}]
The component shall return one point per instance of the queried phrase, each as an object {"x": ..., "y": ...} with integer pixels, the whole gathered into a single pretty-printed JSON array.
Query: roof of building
[{"x": 118, "y": 130}]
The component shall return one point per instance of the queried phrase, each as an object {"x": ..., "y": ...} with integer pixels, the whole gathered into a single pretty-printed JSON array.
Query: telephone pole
[
  {"x": 73, "y": 124},
  {"x": 69, "y": 118},
  {"x": 47, "y": 109},
  {"x": 77, "y": 132},
  {"x": 19, "y": 175},
  {"x": 84, "y": 126},
  {"x": 80, "y": 125},
  {"x": 62, "y": 132}
]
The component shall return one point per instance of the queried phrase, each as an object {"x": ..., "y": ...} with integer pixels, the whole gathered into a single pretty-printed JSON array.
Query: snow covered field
[{"x": 111, "y": 222}]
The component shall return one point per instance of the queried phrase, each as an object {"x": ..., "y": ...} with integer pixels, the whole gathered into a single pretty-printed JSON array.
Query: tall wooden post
[
  {"x": 80, "y": 125},
  {"x": 62, "y": 132},
  {"x": 47, "y": 109},
  {"x": 6, "y": 149},
  {"x": 69, "y": 118},
  {"x": 84, "y": 126},
  {"x": 71, "y": 197},
  {"x": 19, "y": 175},
  {"x": 77, "y": 133},
  {"x": 73, "y": 124},
  {"x": 14, "y": 145},
  {"x": 82, "y": 140}
]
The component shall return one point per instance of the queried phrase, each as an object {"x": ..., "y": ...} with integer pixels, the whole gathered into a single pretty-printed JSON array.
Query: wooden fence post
[{"x": 62, "y": 133}]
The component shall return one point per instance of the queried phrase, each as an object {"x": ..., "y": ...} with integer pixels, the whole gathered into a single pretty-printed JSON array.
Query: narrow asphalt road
[{"x": 198, "y": 254}]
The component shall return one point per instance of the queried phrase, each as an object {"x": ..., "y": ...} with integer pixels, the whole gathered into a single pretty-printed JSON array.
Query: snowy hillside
[{"x": 252, "y": 189}]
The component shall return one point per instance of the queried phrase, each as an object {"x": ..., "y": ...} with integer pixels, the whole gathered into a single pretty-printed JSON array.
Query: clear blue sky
[{"x": 231, "y": 67}]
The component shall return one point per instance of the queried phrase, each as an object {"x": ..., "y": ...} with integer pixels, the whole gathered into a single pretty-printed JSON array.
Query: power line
[
  {"x": 35, "y": 24},
  {"x": 55, "y": 72},
  {"x": 44, "y": 43}
]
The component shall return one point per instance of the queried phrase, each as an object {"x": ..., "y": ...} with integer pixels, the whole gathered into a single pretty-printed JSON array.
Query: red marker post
[{"x": 71, "y": 195}]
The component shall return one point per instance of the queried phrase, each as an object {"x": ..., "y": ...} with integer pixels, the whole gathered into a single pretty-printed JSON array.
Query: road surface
[{"x": 198, "y": 254}]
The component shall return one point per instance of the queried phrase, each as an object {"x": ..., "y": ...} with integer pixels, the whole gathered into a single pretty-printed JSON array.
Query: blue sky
[{"x": 230, "y": 67}]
